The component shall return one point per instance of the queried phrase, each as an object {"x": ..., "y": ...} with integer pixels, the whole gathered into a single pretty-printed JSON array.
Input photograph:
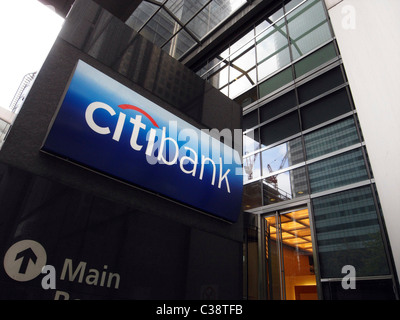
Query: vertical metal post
[{"x": 261, "y": 259}]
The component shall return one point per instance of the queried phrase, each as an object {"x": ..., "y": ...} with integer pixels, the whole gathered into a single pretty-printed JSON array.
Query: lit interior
[
  {"x": 297, "y": 256},
  {"x": 295, "y": 229}
]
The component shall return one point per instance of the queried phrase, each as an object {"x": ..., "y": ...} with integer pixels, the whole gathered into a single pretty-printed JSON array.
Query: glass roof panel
[
  {"x": 212, "y": 15},
  {"x": 184, "y": 10},
  {"x": 160, "y": 28},
  {"x": 161, "y": 21},
  {"x": 143, "y": 12}
]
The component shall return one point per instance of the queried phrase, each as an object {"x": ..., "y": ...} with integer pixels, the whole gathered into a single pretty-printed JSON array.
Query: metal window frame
[{"x": 184, "y": 26}]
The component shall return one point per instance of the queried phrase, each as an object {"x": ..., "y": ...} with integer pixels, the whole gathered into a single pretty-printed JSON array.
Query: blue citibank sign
[{"x": 109, "y": 128}]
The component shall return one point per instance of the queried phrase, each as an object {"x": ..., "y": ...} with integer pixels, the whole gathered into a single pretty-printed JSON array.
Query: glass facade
[
  {"x": 302, "y": 143},
  {"x": 264, "y": 55},
  {"x": 348, "y": 233}
]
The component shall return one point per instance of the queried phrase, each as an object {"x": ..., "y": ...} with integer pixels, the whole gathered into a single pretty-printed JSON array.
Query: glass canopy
[{"x": 180, "y": 25}]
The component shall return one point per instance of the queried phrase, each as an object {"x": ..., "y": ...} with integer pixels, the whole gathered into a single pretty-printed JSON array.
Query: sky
[{"x": 28, "y": 30}]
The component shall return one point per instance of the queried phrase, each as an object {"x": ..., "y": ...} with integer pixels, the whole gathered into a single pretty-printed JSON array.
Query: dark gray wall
[{"x": 161, "y": 249}]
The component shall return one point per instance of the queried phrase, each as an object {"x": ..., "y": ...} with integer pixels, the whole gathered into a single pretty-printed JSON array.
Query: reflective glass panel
[
  {"x": 252, "y": 195},
  {"x": 160, "y": 28},
  {"x": 242, "y": 65},
  {"x": 315, "y": 60},
  {"x": 184, "y": 10},
  {"x": 337, "y": 171},
  {"x": 251, "y": 141},
  {"x": 323, "y": 83},
  {"x": 280, "y": 129},
  {"x": 247, "y": 98},
  {"x": 242, "y": 46},
  {"x": 331, "y": 138},
  {"x": 269, "y": 21},
  {"x": 275, "y": 82},
  {"x": 279, "y": 105},
  {"x": 217, "y": 63},
  {"x": 212, "y": 15},
  {"x": 240, "y": 82},
  {"x": 251, "y": 167},
  {"x": 220, "y": 78},
  {"x": 291, "y": 4},
  {"x": 308, "y": 27},
  {"x": 348, "y": 233},
  {"x": 325, "y": 109},
  {"x": 272, "y": 49},
  {"x": 139, "y": 17},
  {"x": 285, "y": 186},
  {"x": 282, "y": 156},
  {"x": 250, "y": 120}
]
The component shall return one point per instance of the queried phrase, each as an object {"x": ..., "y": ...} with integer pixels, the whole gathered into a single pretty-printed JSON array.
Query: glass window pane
[
  {"x": 348, "y": 233},
  {"x": 219, "y": 79},
  {"x": 300, "y": 282},
  {"x": 337, "y": 171},
  {"x": 308, "y": 27},
  {"x": 315, "y": 59},
  {"x": 212, "y": 15},
  {"x": 282, "y": 156},
  {"x": 251, "y": 141},
  {"x": 321, "y": 84},
  {"x": 185, "y": 10},
  {"x": 275, "y": 82},
  {"x": 271, "y": 64},
  {"x": 240, "y": 82},
  {"x": 285, "y": 186},
  {"x": 251, "y": 167},
  {"x": 291, "y": 4},
  {"x": 250, "y": 120},
  {"x": 217, "y": 63},
  {"x": 278, "y": 106},
  {"x": 280, "y": 129},
  {"x": 331, "y": 138},
  {"x": 201, "y": 72},
  {"x": 272, "y": 50},
  {"x": 247, "y": 98},
  {"x": 325, "y": 109},
  {"x": 160, "y": 28},
  {"x": 243, "y": 65},
  {"x": 139, "y": 17},
  {"x": 252, "y": 197},
  {"x": 243, "y": 45},
  {"x": 270, "y": 20}
]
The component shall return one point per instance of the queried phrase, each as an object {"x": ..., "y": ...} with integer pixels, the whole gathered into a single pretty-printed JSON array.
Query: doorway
[{"x": 289, "y": 256}]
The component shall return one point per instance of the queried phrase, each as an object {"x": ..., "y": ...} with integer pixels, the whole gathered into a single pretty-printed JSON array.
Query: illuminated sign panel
[{"x": 107, "y": 127}]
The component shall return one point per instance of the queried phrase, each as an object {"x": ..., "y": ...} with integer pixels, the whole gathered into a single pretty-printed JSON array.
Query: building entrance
[{"x": 289, "y": 261}]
